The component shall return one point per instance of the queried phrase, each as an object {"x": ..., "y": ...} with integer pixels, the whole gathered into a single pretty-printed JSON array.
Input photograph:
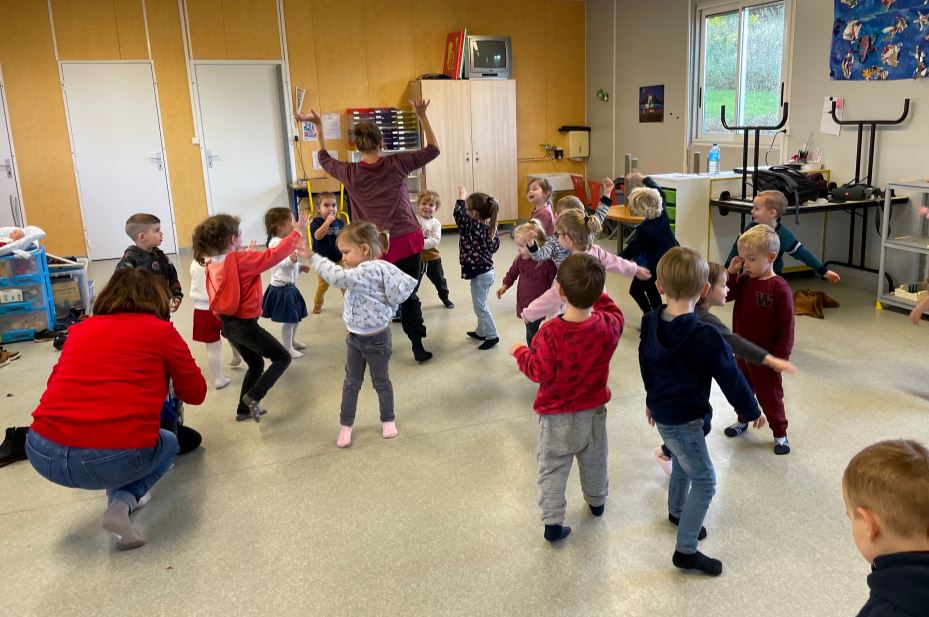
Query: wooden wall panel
[
  {"x": 207, "y": 32},
  {"x": 434, "y": 19},
  {"x": 188, "y": 191},
  {"x": 37, "y": 121},
  {"x": 130, "y": 28},
  {"x": 252, "y": 31},
  {"x": 86, "y": 30},
  {"x": 387, "y": 71}
]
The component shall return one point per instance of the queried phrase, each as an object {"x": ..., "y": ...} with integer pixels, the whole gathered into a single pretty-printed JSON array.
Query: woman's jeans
[
  {"x": 126, "y": 475},
  {"x": 480, "y": 288},
  {"x": 693, "y": 480}
]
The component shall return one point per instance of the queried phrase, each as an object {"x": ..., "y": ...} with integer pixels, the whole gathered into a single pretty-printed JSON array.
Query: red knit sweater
[
  {"x": 763, "y": 313},
  {"x": 571, "y": 361},
  {"x": 111, "y": 380}
]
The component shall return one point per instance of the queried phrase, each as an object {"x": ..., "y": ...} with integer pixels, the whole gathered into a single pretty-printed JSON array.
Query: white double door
[
  {"x": 244, "y": 139},
  {"x": 10, "y": 209},
  {"x": 118, "y": 151}
]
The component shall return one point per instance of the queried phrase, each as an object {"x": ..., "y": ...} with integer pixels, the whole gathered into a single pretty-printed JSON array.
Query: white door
[
  {"x": 10, "y": 209},
  {"x": 119, "y": 157},
  {"x": 244, "y": 142}
]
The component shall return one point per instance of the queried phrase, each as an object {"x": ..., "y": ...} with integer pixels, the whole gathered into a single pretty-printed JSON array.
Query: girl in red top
[
  {"x": 97, "y": 424},
  {"x": 233, "y": 283},
  {"x": 379, "y": 195}
]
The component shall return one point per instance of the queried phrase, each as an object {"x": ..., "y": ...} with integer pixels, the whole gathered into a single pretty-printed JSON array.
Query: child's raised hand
[
  {"x": 515, "y": 347},
  {"x": 305, "y": 252},
  {"x": 252, "y": 246},
  {"x": 608, "y": 186},
  {"x": 501, "y": 291},
  {"x": 643, "y": 274},
  {"x": 634, "y": 177},
  {"x": 735, "y": 266},
  {"x": 462, "y": 193},
  {"x": 832, "y": 277},
  {"x": 302, "y": 222},
  {"x": 310, "y": 117}
]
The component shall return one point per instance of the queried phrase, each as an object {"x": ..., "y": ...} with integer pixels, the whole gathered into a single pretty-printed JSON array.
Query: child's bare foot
[
  {"x": 390, "y": 430},
  {"x": 345, "y": 437}
]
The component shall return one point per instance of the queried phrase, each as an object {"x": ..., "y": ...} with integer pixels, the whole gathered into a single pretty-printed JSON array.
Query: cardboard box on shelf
[{"x": 66, "y": 293}]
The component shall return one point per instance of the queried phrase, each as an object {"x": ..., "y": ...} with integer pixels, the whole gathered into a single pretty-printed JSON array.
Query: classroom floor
[{"x": 273, "y": 519}]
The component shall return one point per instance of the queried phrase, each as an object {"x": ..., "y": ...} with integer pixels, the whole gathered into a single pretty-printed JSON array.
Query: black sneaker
[
  {"x": 13, "y": 447},
  {"x": 44, "y": 336},
  {"x": 475, "y": 335},
  {"x": 448, "y": 303},
  {"x": 781, "y": 448},
  {"x": 60, "y": 339},
  {"x": 254, "y": 411},
  {"x": 736, "y": 429},
  {"x": 488, "y": 343}
]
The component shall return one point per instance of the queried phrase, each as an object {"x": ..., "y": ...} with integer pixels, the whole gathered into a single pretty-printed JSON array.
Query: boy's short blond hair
[
  {"x": 773, "y": 200},
  {"x": 645, "y": 202},
  {"x": 891, "y": 479},
  {"x": 761, "y": 239},
  {"x": 140, "y": 223},
  {"x": 530, "y": 230},
  {"x": 683, "y": 273},
  {"x": 430, "y": 197},
  {"x": 569, "y": 202}
]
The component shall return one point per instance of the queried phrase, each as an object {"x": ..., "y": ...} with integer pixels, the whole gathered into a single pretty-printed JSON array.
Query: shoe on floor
[
  {"x": 389, "y": 430},
  {"x": 242, "y": 417},
  {"x": 7, "y": 356},
  {"x": 448, "y": 303},
  {"x": 294, "y": 353},
  {"x": 781, "y": 446},
  {"x": 736, "y": 429},
  {"x": 475, "y": 335},
  {"x": 488, "y": 343},
  {"x": 13, "y": 447},
  {"x": 553, "y": 533},
  {"x": 345, "y": 437}
]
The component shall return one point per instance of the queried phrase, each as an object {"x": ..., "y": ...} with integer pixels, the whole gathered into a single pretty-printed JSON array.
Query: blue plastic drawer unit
[{"x": 26, "y": 304}]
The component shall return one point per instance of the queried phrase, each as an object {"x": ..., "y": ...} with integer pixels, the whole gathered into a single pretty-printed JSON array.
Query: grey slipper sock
[{"x": 116, "y": 521}]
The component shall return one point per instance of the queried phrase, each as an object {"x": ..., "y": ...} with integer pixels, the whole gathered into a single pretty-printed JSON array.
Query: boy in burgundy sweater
[
  {"x": 763, "y": 314},
  {"x": 570, "y": 360}
]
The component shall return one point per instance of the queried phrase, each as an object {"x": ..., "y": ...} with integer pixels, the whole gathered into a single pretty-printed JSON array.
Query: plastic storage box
[{"x": 25, "y": 281}]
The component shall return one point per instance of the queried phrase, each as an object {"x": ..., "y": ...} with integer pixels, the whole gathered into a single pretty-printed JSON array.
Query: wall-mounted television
[{"x": 488, "y": 57}]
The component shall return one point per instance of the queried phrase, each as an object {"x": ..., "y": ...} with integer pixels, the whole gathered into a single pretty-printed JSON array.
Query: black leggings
[
  {"x": 645, "y": 294},
  {"x": 254, "y": 343},
  {"x": 411, "y": 311}
]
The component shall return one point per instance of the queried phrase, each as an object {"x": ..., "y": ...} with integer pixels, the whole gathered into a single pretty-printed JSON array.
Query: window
[{"x": 740, "y": 54}]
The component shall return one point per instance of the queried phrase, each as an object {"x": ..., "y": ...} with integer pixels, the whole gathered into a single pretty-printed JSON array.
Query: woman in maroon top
[
  {"x": 97, "y": 424},
  {"x": 378, "y": 190}
]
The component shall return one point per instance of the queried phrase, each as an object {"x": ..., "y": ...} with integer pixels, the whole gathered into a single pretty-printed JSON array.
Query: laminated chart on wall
[
  {"x": 876, "y": 40},
  {"x": 399, "y": 126}
]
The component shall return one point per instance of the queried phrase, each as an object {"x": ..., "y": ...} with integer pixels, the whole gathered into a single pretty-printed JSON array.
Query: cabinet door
[
  {"x": 450, "y": 115},
  {"x": 493, "y": 138}
]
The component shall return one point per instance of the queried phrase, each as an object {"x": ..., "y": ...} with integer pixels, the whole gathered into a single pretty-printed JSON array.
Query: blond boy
[{"x": 886, "y": 492}]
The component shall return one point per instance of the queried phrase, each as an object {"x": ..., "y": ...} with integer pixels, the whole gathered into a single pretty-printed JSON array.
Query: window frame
[{"x": 709, "y": 8}]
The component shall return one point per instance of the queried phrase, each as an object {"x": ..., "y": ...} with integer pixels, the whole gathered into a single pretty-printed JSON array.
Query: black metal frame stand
[
  {"x": 873, "y": 124},
  {"x": 757, "y": 130}
]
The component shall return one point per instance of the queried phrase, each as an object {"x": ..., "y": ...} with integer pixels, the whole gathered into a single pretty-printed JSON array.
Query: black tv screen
[{"x": 488, "y": 54}]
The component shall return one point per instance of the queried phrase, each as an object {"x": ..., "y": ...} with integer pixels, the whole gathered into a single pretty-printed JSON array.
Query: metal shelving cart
[{"x": 916, "y": 244}]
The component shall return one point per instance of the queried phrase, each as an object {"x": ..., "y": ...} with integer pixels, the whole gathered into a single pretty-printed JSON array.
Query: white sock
[
  {"x": 287, "y": 337},
  {"x": 297, "y": 344},
  {"x": 215, "y": 362},
  {"x": 780, "y": 440},
  {"x": 236, "y": 357}
]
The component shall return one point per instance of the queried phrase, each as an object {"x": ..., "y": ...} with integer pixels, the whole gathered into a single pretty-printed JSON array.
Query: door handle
[
  {"x": 7, "y": 164},
  {"x": 467, "y": 157},
  {"x": 210, "y": 157},
  {"x": 477, "y": 156},
  {"x": 158, "y": 161}
]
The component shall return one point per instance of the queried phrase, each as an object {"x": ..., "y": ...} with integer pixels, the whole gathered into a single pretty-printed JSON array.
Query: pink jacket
[{"x": 550, "y": 304}]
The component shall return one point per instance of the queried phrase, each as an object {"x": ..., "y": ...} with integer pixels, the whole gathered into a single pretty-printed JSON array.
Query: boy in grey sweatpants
[{"x": 570, "y": 360}]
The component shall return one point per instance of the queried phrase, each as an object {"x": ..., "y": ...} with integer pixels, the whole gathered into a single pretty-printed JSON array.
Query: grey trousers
[
  {"x": 562, "y": 437},
  {"x": 373, "y": 351}
]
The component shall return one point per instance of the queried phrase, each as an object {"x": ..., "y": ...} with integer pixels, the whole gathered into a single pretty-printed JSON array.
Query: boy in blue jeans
[{"x": 679, "y": 356}]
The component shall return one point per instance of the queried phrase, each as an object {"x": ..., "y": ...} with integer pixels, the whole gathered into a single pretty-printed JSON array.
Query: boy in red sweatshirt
[
  {"x": 763, "y": 314},
  {"x": 570, "y": 360}
]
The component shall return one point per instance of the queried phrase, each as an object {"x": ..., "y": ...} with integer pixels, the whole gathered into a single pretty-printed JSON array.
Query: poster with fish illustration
[{"x": 876, "y": 40}]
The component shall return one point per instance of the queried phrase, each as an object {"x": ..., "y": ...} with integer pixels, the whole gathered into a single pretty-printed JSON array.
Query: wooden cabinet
[{"x": 475, "y": 126}]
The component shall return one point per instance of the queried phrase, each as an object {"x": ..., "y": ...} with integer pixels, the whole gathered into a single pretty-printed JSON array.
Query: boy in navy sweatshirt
[
  {"x": 679, "y": 356},
  {"x": 886, "y": 491}
]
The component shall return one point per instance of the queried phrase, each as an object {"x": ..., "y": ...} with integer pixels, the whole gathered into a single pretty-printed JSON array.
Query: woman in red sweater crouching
[{"x": 97, "y": 424}]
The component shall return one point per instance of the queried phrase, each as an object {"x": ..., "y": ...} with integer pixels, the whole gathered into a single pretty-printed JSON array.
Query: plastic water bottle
[{"x": 713, "y": 160}]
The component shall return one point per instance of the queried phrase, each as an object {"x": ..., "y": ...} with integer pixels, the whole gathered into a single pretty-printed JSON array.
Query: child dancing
[
  {"x": 207, "y": 327},
  {"x": 233, "y": 283},
  {"x": 426, "y": 206},
  {"x": 476, "y": 217},
  {"x": 283, "y": 303},
  {"x": 374, "y": 289},
  {"x": 533, "y": 278}
]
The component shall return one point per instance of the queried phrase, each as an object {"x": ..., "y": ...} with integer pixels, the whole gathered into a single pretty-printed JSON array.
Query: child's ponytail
[{"x": 487, "y": 209}]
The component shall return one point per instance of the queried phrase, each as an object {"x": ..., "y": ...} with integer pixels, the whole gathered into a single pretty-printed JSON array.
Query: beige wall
[{"x": 346, "y": 54}]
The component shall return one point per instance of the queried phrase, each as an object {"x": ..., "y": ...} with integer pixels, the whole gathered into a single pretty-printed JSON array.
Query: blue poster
[{"x": 875, "y": 40}]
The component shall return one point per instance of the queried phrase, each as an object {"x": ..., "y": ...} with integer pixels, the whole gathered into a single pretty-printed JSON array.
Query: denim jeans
[
  {"x": 126, "y": 475},
  {"x": 693, "y": 480},
  {"x": 374, "y": 352},
  {"x": 480, "y": 288},
  {"x": 255, "y": 343}
]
